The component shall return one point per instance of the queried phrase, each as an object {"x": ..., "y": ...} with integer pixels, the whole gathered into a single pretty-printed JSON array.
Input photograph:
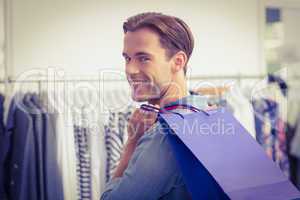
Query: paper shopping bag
[{"x": 220, "y": 160}]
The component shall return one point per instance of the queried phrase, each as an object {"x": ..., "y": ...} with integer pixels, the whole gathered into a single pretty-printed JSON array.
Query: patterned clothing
[
  {"x": 83, "y": 163},
  {"x": 83, "y": 157},
  {"x": 115, "y": 138},
  {"x": 270, "y": 132}
]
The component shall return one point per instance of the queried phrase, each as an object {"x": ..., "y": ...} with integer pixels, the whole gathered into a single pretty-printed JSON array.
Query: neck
[{"x": 176, "y": 90}]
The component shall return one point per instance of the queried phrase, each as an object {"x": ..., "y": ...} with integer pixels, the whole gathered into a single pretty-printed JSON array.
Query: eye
[
  {"x": 143, "y": 59},
  {"x": 127, "y": 59}
]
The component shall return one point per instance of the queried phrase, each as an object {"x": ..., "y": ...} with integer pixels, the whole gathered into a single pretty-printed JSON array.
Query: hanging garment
[
  {"x": 295, "y": 154},
  {"x": 51, "y": 174},
  {"x": 270, "y": 132},
  {"x": 36, "y": 115},
  {"x": 57, "y": 103},
  {"x": 280, "y": 82},
  {"x": 89, "y": 159},
  {"x": 83, "y": 160},
  {"x": 115, "y": 138},
  {"x": 66, "y": 152},
  {"x": 89, "y": 121},
  {"x": 30, "y": 162},
  {"x": 95, "y": 128},
  {"x": 293, "y": 109},
  {"x": 295, "y": 143},
  {"x": 242, "y": 109},
  {"x": 293, "y": 161},
  {"x": 2, "y": 132},
  {"x": 19, "y": 149},
  {"x": 2, "y": 127},
  {"x": 281, "y": 149}
]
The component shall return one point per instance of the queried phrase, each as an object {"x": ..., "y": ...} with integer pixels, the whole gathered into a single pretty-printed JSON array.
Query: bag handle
[{"x": 169, "y": 108}]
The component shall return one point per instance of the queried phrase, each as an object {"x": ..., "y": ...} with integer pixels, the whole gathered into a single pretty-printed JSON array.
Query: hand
[
  {"x": 139, "y": 122},
  {"x": 212, "y": 107}
]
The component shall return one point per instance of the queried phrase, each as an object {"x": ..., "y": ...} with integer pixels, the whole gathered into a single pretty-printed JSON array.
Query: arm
[
  {"x": 150, "y": 173},
  {"x": 127, "y": 153},
  {"x": 139, "y": 123}
]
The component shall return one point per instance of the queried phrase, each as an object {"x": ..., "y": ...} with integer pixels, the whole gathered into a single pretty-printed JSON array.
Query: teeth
[{"x": 139, "y": 81}]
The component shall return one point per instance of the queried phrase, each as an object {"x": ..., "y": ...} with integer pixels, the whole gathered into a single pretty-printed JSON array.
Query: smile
[{"x": 139, "y": 82}]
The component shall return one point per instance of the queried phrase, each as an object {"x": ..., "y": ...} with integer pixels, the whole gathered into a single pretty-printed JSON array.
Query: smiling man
[{"x": 157, "y": 48}]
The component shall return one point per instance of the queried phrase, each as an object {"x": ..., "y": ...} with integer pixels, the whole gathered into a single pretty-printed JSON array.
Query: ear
[{"x": 179, "y": 60}]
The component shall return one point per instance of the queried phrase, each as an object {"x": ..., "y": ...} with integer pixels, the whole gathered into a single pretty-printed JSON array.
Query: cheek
[
  {"x": 157, "y": 72},
  {"x": 164, "y": 72}
]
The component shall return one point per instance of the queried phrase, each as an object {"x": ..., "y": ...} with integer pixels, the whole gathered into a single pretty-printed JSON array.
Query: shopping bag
[{"x": 219, "y": 159}]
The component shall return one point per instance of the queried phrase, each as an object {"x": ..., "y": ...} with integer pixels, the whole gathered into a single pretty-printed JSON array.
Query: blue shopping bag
[{"x": 219, "y": 159}]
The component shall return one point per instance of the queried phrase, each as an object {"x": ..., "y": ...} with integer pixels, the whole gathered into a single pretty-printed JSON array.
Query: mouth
[{"x": 139, "y": 82}]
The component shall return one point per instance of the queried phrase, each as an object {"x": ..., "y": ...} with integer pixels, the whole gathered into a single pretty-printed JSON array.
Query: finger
[
  {"x": 143, "y": 116},
  {"x": 211, "y": 107},
  {"x": 137, "y": 113}
]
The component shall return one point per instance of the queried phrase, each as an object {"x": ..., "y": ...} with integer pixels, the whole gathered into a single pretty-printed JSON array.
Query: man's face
[{"x": 148, "y": 69}]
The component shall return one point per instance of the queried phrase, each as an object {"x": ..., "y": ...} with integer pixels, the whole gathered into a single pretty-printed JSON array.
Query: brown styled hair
[{"x": 175, "y": 35}]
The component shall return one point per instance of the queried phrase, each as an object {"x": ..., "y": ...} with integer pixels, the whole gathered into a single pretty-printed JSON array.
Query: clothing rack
[
  {"x": 202, "y": 77},
  {"x": 10, "y": 80}
]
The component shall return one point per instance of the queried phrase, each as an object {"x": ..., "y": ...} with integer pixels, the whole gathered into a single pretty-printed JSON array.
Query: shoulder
[
  {"x": 154, "y": 148},
  {"x": 155, "y": 137}
]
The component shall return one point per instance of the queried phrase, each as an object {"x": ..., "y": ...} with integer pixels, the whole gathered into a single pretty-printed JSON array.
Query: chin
[
  {"x": 139, "y": 98},
  {"x": 144, "y": 98}
]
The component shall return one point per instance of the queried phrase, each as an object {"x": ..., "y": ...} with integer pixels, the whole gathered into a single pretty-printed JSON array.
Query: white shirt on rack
[{"x": 243, "y": 110}]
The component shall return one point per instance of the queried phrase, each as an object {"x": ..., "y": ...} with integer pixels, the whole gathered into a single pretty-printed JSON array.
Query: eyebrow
[{"x": 141, "y": 53}]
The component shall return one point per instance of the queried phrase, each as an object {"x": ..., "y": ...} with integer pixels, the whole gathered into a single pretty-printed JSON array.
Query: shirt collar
[{"x": 192, "y": 100}]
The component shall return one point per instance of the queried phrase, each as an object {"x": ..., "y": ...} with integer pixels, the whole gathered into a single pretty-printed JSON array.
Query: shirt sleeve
[{"x": 150, "y": 174}]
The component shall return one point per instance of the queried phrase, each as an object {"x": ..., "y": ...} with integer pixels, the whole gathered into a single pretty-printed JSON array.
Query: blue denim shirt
[{"x": 152, "y": 172}]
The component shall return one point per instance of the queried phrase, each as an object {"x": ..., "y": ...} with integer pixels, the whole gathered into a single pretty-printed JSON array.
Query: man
[{"x": 156, "y": 50}]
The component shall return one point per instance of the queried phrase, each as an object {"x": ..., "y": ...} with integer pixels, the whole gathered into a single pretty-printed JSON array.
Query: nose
[{"x": 132, "y": 68}]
